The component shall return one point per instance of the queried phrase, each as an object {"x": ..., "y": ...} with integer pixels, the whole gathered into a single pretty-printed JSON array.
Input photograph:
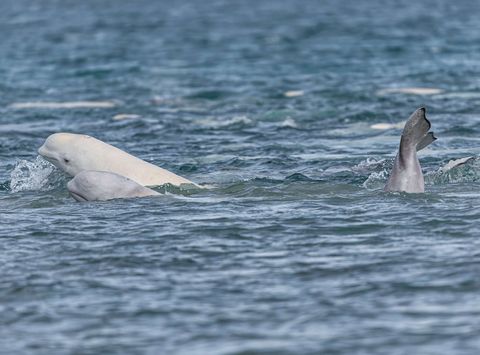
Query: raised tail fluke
[
  {"x": 429, "y": 138},
  {"x": 416, "y": 130},
  {"x": 407, "y": 173}
]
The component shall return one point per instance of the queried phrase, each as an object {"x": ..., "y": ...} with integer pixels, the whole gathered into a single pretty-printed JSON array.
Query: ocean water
[{"x": 275, "y": 105}]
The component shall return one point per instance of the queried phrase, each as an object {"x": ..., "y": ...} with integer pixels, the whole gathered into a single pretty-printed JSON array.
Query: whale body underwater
[{"x": 103, "y": 172}]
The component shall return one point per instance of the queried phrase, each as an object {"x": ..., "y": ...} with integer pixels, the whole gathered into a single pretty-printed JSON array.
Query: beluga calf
[
  {"x": 74, "y": 153},
  {"x": 406, "y": 175},
  {"x": 91, "y": 185}
]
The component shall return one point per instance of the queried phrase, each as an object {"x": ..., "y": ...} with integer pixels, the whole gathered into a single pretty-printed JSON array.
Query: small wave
[
  {"x": 233, "y": 122},
  {"x": 298, "y": 177},
  {"x": 289, "y": 123},
  {"x": 33, "y": 176},
  {"x": 210, "y": 94},
  {"x": 182, "y": 190}
]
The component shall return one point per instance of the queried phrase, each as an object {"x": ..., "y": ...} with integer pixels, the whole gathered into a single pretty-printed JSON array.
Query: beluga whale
[
  {"x": 74, "y": 153},
  {"x": 91, "y": 185},
  {"x": 406, "y": 175}
]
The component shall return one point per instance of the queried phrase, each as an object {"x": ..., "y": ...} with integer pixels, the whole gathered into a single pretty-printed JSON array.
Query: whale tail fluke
[
  {"x": 407, "y": 173},
  {"x": 429, "y": 138},
  {"x": 415, "y": 134}
]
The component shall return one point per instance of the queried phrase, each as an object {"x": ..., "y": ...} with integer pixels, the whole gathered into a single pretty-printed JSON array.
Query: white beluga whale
[
  {"x": 406, "y": 175},
  {"x": 91, "y": 185},
  {"x": 74, "y": 153}
]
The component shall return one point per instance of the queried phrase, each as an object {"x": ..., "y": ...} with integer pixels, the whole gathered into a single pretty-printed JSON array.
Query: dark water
[{"x": 294, "y": 249}]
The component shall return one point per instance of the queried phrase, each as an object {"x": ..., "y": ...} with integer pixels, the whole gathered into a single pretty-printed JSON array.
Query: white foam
[
  {"x": 376, "y": 180},
  {"x": 411, "y": 91},
  {"x": 125, "y": 116},
  {"x": 27, "y": 175},
  {"x": 385, "y": 126},
  {"x": 62, "y": 105},
  {"x": 293, "y": 93},
  {"x": 215, "y": 123},
  {"x": 289, "y": 123},
  {"x": 368, "y": 163}
]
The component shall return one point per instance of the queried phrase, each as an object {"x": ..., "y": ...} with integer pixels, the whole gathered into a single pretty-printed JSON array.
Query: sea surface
[{"x": 290, "y": 113}]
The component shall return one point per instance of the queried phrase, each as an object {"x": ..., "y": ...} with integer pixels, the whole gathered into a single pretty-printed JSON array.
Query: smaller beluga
[
  {"x": 90, "y": 185},
  {"x": 406, "y": 175}
]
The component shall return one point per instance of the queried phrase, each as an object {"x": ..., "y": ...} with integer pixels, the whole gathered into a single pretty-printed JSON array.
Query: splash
[
  {"x": 289, "y": 123},
  {"x": 36, "y": 175},
  {"x": 376, "y": 180},
  {"x": 462, "y": 170},
  {"x": 369, "y": 164},
  {"x": 456, "y": 163},
  {"x": 378, "y": 177}
]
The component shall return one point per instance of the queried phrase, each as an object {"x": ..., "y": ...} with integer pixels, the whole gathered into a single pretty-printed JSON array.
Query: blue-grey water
[{"x": 294, "y": 248}]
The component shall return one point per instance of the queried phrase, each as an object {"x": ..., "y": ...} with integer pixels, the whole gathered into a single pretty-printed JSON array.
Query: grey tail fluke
[
  {"x": 429, "y": 138},
  {"x": 416, "y": 130}
]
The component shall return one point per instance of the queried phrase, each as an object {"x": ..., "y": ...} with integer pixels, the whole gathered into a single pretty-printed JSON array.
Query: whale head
[
  {"x": 73, "y": 153},
  {"x": 67, "y": 151},
  {"x": 90, "y": 185}
]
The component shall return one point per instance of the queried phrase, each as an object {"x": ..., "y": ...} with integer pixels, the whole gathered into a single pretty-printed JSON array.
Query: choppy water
[{"x": 294, "y": 249}]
